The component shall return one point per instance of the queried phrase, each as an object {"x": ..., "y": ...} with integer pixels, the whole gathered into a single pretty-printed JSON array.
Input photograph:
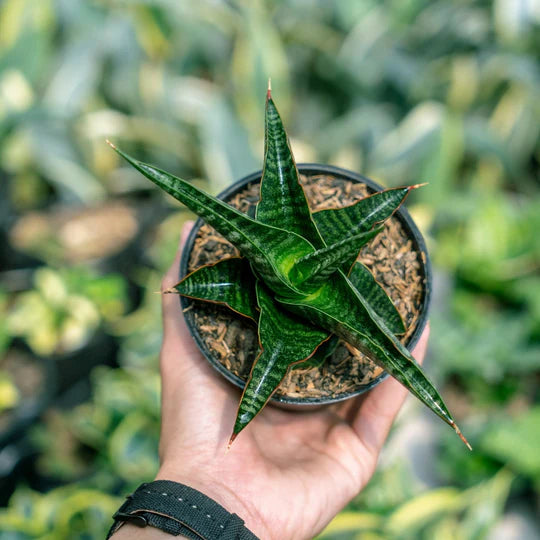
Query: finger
[
  {"x": 379, "y": 409},
  {"x": 170, "y": 302},
  {"x": 177, "y": 340},
  {"x": 170, "y": 279},
  {"x": 180, "y": 358}
]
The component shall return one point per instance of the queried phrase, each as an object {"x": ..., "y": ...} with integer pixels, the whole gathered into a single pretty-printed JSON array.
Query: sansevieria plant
[{"x": 298, "y": 278}]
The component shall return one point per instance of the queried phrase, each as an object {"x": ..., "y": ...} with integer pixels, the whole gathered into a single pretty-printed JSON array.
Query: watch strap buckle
[{"x": 134, "y": 519}]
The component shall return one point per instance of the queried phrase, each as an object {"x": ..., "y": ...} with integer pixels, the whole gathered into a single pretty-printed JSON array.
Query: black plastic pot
[{"x": 408, "y": 225}]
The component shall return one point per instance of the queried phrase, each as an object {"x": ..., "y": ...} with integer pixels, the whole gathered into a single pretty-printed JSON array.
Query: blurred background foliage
[{"x": 404, "y": 91}]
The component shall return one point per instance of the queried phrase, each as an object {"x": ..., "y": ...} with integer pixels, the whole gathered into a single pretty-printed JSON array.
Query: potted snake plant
[{"x": 294, "y": 273}]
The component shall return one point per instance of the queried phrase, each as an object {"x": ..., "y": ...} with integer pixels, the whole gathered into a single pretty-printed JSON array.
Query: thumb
[{"x": 170, "y": 304}]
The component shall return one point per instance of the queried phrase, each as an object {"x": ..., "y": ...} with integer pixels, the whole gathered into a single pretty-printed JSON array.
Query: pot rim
[{"x": 412, "y": 232}]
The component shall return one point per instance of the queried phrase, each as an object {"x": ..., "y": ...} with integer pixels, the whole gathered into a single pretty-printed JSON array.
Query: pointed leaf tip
[
  {"x": 168, "y": 291},
  {"x": 461, "y": 436},
  {"x": 110, "y": 144},
  {"x": 231, "y": 440},
  {"x": 269, "y": 90},
  {"x": 416, "y": 186}
]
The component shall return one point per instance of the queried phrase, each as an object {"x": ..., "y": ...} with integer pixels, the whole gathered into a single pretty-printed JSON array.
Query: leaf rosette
[{"x": 298, "y": 277}]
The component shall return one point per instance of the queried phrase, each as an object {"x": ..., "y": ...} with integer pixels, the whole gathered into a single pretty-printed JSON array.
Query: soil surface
[{"x": 389, "y": 257}]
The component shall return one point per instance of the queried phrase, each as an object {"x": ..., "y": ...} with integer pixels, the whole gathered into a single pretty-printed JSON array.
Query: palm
[
  {"x": 274, "y": 460},
  {"x": 288, "y": 473},
  {"x": 309, "y": 466}
]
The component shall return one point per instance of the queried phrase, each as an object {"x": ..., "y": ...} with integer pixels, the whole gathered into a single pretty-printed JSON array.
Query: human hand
[{"x": 288, "y": 474}]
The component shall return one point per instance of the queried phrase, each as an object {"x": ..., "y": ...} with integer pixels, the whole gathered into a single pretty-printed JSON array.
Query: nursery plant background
[{"x": 402, "y": 91}]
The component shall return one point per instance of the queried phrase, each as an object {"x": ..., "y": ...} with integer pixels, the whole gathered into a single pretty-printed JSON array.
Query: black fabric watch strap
[{"x": 179, "y": 509}]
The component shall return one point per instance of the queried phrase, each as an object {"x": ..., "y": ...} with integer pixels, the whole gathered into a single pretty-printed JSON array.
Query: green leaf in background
[
  {"x": 132, "y": 452},
  {"x": 9, "y": 393},
  {"x": 430, "y": 514},
  {"x": 107, "y": 292},
  {"x": 423, "y": 508},
  {"x": 229, "y": 281},
  {"x": 484, "y": 504},
  {"x": 74, "y": 512},
  {"x": 350, "y": 524},
  {"x": 516, "y": 442},
  {"x": 51, "y": 317},
  {"x": 258, "y": 52},
  {"x": 488, "y": 350},
  {"x": 65, "y": 308},
  {"x": 224, "y": 139},
  {"x": 5, "y": 337}
]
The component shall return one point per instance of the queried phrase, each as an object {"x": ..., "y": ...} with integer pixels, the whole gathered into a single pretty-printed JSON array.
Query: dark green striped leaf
[
  {"x": 284, "y": 339},
  {"x": 272, "y": 251},
  {"x": 338, "y": 306},
  {"x": 229, "y": 282},
  {"x": 283, "y": 202},
  {"x": 364, "y": 282},
  {"x": 315, "y": 268},
  {"x": 337, "y": 224},
  {"x": 362, "y": 216}
]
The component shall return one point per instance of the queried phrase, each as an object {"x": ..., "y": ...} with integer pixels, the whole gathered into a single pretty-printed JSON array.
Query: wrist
[
  {"x": 220, "y": 492},
  {"x": 178, "y": 509}
]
